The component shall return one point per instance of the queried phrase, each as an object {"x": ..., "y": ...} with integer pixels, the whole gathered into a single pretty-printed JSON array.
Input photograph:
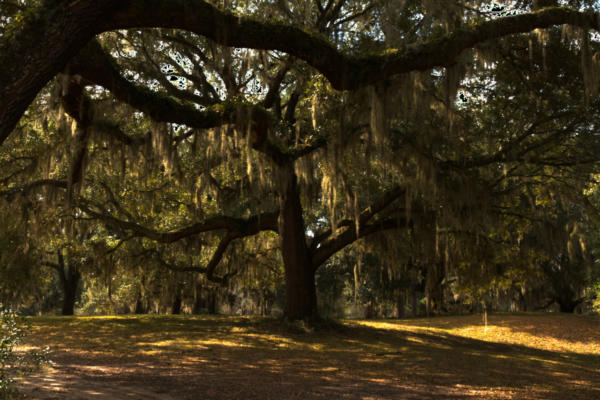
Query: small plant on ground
[{"x": 13, "y": 330}]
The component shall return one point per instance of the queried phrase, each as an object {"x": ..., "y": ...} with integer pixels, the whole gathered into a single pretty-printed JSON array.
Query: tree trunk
[
  {"x": 400, "y": 305},
  {"x": 212, "y": 301},
  {"x": 69, "y": 278},
  {"x": 198, "y": 301},
  {"x": 567, "y": 303},
  {"x": 300, "y": 291},
  {"x": 415, "y": 309},
  {"x": 176, "y": 306},
  {"x": 70, "y": 296},
  {"x": 563, "y": 283},
  {"x": 567, "y": 307},
  {"x": 141, "y": 305},
  {"x": 434, "y": 292}
]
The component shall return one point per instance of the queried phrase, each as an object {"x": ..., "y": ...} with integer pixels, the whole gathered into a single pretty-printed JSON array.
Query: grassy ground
[{"x": 528, "y": 356}]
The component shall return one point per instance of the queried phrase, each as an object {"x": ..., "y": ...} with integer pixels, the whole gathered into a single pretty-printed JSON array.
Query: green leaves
[{"x": 13, "y": 330}]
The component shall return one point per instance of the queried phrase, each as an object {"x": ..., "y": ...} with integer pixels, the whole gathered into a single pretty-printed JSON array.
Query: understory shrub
[{"x": 13, "y": 363}]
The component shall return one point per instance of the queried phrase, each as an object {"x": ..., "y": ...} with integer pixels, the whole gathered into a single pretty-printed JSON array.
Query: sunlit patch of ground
[
  {"x": 554, "y": 332},
  {"x": 527, "y": 356}
]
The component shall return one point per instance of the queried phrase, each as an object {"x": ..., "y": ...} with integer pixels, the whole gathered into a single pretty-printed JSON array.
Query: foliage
[
  {"x": 13, "y": 329},
  {"x": 595, "y": 297}
]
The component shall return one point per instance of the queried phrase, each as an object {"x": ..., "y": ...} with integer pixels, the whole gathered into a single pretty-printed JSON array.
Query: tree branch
[
  {"x": 238, "y": 227},
  {"x": 39, "y": 46},
  {"x": 365, "y": 216},
  {"x": 333, "y": 244},
  {"x": 51, "y": 265},
  {"x": 42, "y": 44},
  {"x": 99, "y": 68},
  {"x": 9, "y": 193},
  {"x": 327, "y": 242},
  {"x": 343, "y": 71},
  {"x": 190, "y": 268},
  {"x": 218, "y": 255}
]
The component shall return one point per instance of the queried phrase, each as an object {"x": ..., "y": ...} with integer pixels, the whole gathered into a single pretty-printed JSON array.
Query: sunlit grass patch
[{"x": 558, "y": 332}]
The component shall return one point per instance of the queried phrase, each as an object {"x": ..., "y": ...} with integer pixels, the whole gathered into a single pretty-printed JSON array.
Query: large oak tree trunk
[
  {"x": 301, "y": 299},
  {"x": 564, "y": 280}
]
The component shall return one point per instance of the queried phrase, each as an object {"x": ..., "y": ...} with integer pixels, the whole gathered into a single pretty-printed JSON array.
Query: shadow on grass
[{"x": 252, "y": 358}]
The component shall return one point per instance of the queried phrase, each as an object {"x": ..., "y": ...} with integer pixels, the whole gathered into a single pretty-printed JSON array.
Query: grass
[{"x": 532, "y": 356}]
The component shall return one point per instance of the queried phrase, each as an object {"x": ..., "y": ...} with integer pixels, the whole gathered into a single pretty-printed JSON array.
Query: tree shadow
[{"x": 223, "y": 358}]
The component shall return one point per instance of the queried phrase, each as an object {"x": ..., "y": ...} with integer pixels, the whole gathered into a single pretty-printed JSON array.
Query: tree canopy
[{"x": 254, "y": 140}]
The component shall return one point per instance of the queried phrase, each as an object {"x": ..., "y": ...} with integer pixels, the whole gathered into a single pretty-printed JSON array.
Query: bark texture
[
  {"x": 36, "y": 49},
  {"x": 301, "y": 300},
  {"x": 69, "y": 278}
]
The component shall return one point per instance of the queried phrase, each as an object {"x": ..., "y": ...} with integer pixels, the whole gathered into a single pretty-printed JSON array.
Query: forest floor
[{"x": 519, "y": 356}]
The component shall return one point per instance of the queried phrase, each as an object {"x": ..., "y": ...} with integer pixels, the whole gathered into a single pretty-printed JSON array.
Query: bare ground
[{"x": 241, "y": 358}]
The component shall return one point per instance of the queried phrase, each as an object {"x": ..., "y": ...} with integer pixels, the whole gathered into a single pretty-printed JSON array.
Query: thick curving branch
[
  {"x": 343, "y": 71},
  {"x": 218, "y": 254},
  {"x": 365, "y": 216},
  {"x": 333, "y": 244},
  {"x": 97, "y": 67},
  {"x": 327, "y": 242},
  {"x": 235, "y": 228},
  {"x": 238, "y": 227},
  {"x": 35, "y": 49}
]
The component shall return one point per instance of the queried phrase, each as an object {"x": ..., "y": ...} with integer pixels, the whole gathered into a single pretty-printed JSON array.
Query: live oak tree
[{"x": 320, "y": 122}]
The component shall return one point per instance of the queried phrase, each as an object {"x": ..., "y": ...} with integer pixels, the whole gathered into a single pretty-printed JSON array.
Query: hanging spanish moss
[
  {"x": 307, "y": 179},
  {"x": 543, "y": 37},
  {"x": 590, "y": 66},
  {"x": 161, "y": 144},
  {"x": 378, "y": 120}
]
